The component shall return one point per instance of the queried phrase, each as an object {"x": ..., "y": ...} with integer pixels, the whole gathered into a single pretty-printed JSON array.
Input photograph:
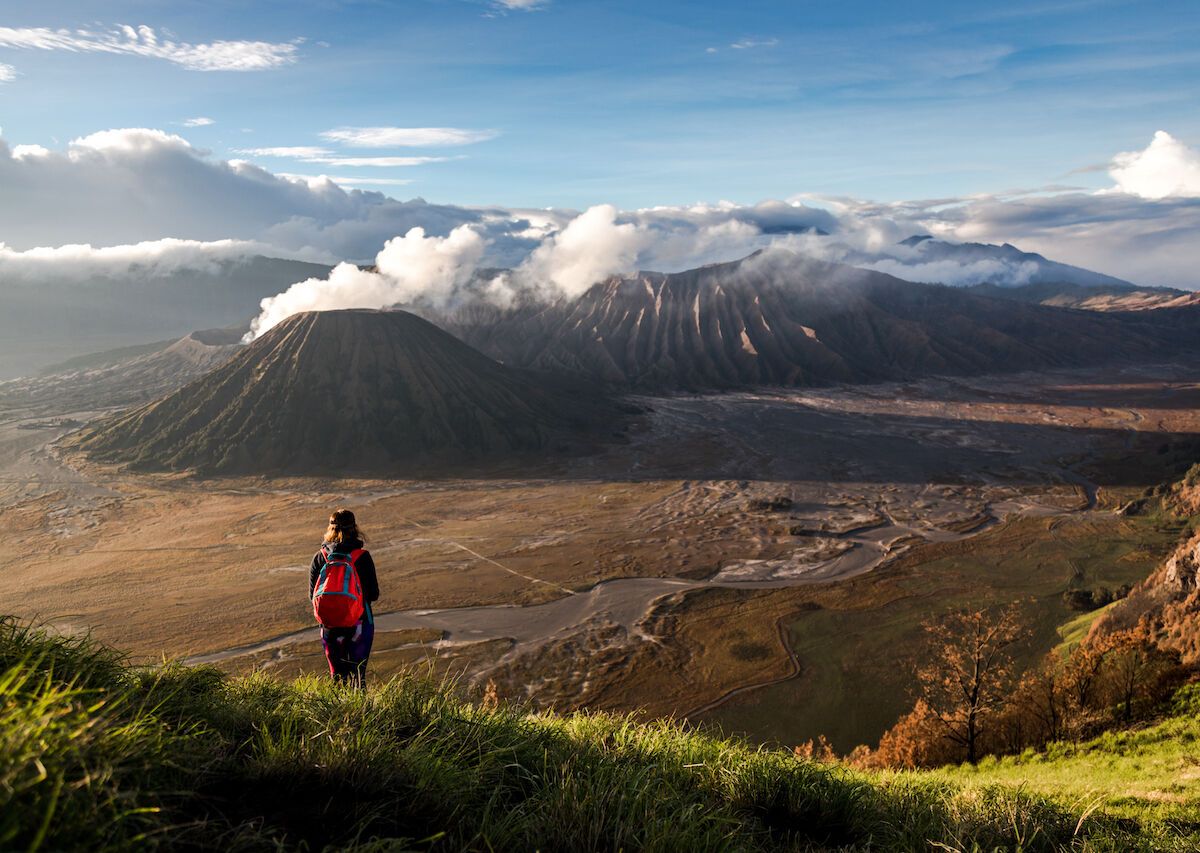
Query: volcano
[
  {"x": 350, "y": 391},
  {"x": 778, "y": 318}
]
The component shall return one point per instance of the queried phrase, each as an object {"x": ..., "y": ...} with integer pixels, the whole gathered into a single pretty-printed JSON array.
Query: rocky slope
[
  {"x": 1166, "y": 606},
  {"x": 782, "y": 319},
  {"x": 1093, "y": 298},
  {"x": 101, "y": 382},
  {"x": 348, "y": 391}
]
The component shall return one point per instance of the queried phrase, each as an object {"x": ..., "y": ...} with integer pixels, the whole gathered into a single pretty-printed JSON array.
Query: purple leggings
[{"x": 347, "y": 650}]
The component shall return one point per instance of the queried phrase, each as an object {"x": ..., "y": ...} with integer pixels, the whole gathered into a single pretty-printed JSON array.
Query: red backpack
[{"x": 338, "y": 595}]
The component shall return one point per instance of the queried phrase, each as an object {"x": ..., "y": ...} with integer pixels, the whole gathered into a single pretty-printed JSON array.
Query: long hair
[{"x": 343, "y": 528}]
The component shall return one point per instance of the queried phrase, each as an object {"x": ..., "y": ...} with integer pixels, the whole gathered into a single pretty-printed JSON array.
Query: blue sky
[{"x": 641, "y": 104}]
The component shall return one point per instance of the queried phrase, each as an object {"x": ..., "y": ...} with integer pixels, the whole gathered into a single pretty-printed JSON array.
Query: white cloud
[
  {"x": 347, "y": 181},
  {"x": 145, "y": 41},
  {"x": 411, "y": 266},
  {"x": 1166, "y": 167},
  {"x": 372, "y": 182},
  {"x": 127, "y": 140},
  {"x": 521, "y": 5},
  {"x": 374, "y": 161},
  {"x": 326, "y": 157},
  {"x": 198, "y": 121},
  {"x": 126, "y": 186},
  {"x": 299, "y": 151},
  {"x": 747, "y": 43},
  {"x": 7, "y": 73},
  {"x": 75, "y": 263},
  {"x": 993, "y": 271},
  {"x": 406, "y": 137},
  {"x": 20, "y": 152}
]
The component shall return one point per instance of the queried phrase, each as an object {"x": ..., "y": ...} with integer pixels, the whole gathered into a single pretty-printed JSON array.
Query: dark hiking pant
[{"x": 347, "y": 650}]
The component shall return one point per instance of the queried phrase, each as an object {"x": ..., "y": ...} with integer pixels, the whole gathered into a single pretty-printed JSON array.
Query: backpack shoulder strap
[{"x": 355, "y": 554}]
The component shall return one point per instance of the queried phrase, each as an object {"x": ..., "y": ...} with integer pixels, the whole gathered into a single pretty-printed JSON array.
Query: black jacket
[{"x": 364, "y": 565}]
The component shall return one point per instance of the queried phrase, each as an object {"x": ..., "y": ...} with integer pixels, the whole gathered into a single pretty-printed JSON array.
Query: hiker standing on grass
[{"x": 342, "y": 584}]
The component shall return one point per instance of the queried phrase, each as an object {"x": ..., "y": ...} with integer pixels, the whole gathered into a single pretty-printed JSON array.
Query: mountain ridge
[{"x": 778, "y": 318}]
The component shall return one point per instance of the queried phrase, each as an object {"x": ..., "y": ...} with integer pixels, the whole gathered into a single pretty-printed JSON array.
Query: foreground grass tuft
[{"x": 98, "y": 755}]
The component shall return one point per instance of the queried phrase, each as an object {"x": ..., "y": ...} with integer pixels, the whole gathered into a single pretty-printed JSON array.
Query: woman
[{"x": 347, "y": 649}]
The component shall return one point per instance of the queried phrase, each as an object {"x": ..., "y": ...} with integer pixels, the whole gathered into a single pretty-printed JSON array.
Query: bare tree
[
  {"x": 1038, "y": 709},
  {"x": 1081, "y": 675},
  {"x": 969, "y": 671},
  {"x": 1136, "y": 669}
]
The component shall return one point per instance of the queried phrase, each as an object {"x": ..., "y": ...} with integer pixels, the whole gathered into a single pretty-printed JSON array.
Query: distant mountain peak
[{"x": 969, "y": 264}]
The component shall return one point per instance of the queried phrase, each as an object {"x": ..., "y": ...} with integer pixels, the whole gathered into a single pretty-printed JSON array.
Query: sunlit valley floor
[{"x": 758, "y": 560}]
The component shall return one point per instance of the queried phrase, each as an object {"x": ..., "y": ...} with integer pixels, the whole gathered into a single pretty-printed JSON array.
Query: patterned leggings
[{"x": 347, "y": 650}]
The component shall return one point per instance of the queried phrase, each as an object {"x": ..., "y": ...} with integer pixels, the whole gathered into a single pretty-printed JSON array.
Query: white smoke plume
[
  {"x": 569, "y": 254},
  {"x": 590, "y": 248},
  {"x": 407, "y": 267}
]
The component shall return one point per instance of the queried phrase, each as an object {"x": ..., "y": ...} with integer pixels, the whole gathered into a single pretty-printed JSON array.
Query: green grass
[
  {"x": 1148, "y": 776},
  {"x": 100, "y": 756},
  {"x": 1075, "y": 631}
]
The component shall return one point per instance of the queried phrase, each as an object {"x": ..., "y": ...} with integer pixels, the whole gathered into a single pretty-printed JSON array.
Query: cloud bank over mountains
[
  {"x": 162, "y": 200},
  {"x": 82, "y": 263}
]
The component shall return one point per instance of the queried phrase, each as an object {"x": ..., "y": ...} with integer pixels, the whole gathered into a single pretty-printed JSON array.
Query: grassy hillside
[
  {"x": 98, "y": 755},
  {"x": 1149, "y": 775}
]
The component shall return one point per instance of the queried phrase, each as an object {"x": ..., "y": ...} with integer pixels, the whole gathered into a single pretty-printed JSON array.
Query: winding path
[{"x": 793, "y": 666}]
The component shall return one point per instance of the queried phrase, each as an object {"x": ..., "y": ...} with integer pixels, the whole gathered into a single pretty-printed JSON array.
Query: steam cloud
[
  {"x": 569, "y": 255},
  {"x": 409, "y": 266},
  {"x": 592, "y": 247}
]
